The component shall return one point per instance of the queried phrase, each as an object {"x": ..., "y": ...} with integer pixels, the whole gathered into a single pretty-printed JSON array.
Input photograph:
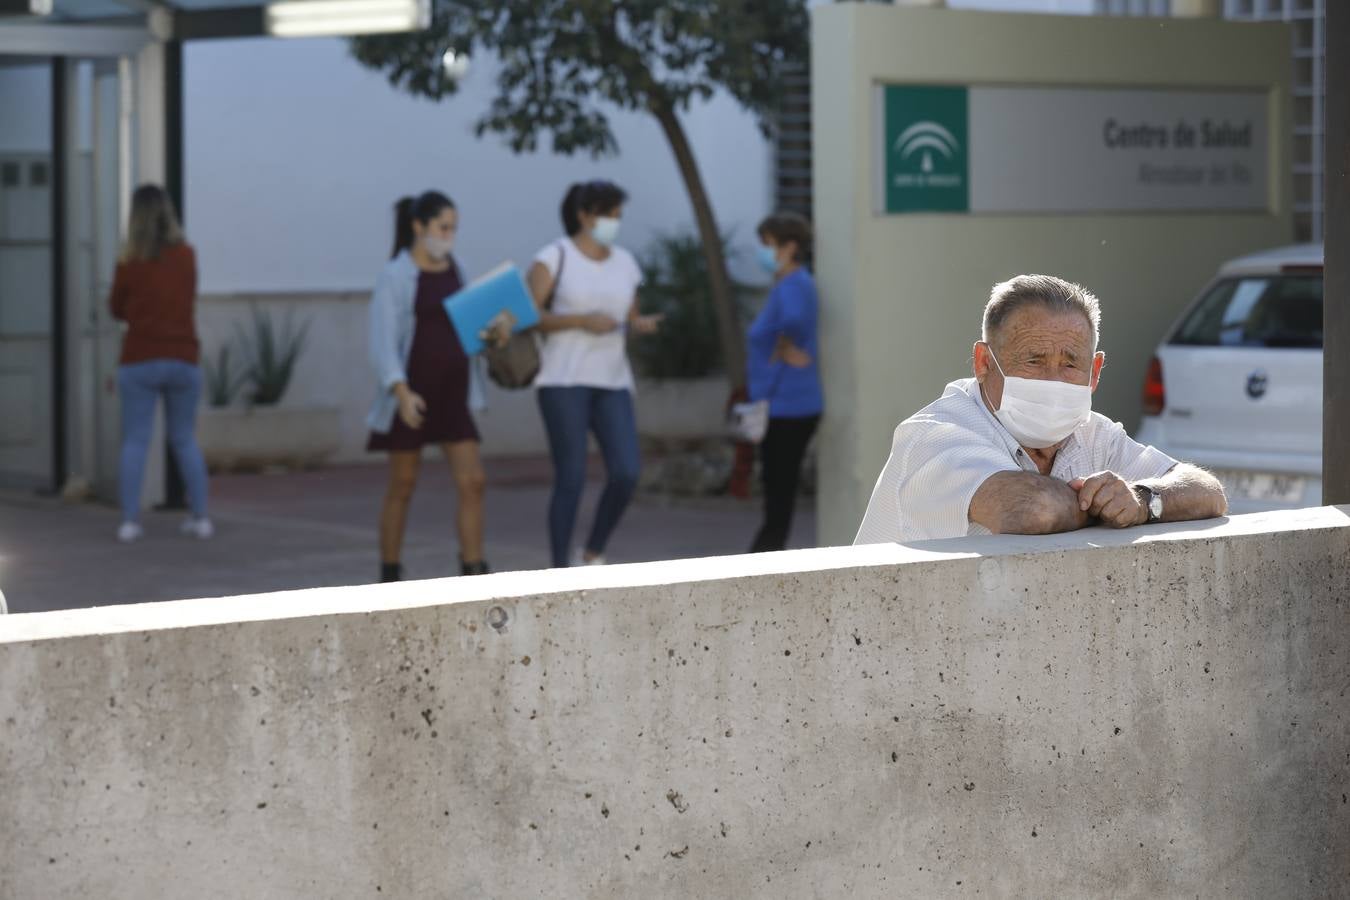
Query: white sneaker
[
  {"x": 579, "y": 559},
  {"x": 202, "y": 529},
  {"x": 130, "y": 532}
]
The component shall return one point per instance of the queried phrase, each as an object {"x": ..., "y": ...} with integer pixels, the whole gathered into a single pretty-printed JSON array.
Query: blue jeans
[
  {"x": 569, "y": 413},
  {"x": 140, "y": 386}
]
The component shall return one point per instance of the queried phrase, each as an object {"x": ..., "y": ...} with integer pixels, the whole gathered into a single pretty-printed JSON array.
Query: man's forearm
[
  {"x": 1027, "y": 503},
  {"x": 1189, "y": 493}
]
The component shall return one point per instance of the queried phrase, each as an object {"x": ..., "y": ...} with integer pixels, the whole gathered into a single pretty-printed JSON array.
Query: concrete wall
[
  {"x": 333, "y": 372},
  {"x": 902, "y": 295},
  {"x": 1151, "y": 713}
]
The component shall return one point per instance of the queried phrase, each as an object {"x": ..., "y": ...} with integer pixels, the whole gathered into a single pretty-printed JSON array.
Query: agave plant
[
  {"x": 222, "y": 381},
  {"x": 271, "y": 355}
]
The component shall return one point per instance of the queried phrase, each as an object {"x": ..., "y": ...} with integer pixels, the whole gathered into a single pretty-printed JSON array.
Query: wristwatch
[{"x": 1152, "y": 500}]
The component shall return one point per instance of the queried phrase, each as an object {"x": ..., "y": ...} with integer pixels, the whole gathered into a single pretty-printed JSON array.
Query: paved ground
[{"x": 281, "y": 532}]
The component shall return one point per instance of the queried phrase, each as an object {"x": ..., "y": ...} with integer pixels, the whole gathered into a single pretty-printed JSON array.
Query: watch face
[{"x": 1155, "y": 507}]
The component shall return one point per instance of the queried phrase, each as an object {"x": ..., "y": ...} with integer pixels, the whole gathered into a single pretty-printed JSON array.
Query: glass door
[
  {"x": 65, "y": 182},
  {"x": 27, "y": 346}
]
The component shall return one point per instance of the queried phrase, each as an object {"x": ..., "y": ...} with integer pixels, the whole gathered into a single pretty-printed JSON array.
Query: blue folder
[{"x": 473, "y": 308}]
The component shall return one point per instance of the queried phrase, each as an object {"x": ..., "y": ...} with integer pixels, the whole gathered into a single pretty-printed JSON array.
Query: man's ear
[
  {"x": 979, "y": 360},
  {"x": 1098, "y": 361}
]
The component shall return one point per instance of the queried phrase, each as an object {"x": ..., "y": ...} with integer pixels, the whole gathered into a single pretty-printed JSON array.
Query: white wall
[{"x": 295, "y": 154}]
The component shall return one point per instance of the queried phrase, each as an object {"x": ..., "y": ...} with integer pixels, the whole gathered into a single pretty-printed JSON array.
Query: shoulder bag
[{"x": 515, "y": 364}]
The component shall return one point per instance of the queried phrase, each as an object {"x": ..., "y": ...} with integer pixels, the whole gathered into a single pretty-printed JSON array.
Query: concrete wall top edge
[{"x": 366, "y": 599}]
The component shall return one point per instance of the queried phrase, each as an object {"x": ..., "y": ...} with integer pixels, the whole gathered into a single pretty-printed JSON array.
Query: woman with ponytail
[
  {"x": 424, "y": 378},
  {"x": 586, "y": 289}
]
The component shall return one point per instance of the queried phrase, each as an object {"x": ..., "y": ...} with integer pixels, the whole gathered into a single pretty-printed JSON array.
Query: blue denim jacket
[{"x": 391, "y": 322}]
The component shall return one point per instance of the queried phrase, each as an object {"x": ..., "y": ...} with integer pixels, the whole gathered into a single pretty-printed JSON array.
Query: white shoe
[
  {"x": 579, "y": 559},
  {"x": 202, "y": 529},
  {"x": 130, "y": 532}
]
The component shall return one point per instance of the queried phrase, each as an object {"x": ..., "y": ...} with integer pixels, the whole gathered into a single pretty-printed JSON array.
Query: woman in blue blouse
[{"x": 782, "y": 368}]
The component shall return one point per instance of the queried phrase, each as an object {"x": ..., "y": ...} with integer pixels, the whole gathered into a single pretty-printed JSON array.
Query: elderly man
[{"x": 1017, "y": 449}]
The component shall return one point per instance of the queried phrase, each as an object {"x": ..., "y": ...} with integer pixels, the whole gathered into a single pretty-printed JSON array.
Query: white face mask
[
  {"x": 1040, "y": 414},
  {"x": 606, "y": 230},
  {"x": 436, "y": 247}
]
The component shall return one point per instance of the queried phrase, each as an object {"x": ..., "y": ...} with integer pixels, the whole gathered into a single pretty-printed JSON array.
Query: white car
[{"x": 1236, "y": 385}]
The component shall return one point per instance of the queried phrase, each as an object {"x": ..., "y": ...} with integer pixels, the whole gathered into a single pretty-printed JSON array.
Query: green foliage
[
  {"x": 560, "y": 60},
  {"x": 271, "y": 354},
  {"x": 222, "y": 382},
  {"x": 676, "y": 284}
]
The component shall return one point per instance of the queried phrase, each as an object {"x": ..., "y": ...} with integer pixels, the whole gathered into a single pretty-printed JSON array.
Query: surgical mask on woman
[
  {"x": 437, "y": 247},
  {"x": 768, "y": 258},
  {"x": 1040, "y": 414},
  {"x": 606, "y": 230}
]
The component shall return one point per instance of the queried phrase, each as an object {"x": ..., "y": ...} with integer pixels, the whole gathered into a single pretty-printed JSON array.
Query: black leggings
[{"x": 781, "y": 455}]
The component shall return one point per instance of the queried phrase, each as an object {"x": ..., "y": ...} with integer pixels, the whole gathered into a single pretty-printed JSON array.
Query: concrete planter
[
  {"x": 682, "y": 408},
  {"x": 262, "y": 437},
  {"x": 670, "y": 411},
  {"x": 681, "y": 426},
  {"x": 685, "y": 447}
]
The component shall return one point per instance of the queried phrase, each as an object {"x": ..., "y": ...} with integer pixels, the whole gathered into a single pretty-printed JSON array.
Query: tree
[{"x": 562, "y": 60}]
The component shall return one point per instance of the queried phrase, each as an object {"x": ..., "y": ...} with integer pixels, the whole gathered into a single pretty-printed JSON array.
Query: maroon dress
[{"x": 438, "y": 371}]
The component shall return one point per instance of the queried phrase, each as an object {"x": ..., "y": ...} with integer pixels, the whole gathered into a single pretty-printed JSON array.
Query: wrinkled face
[{"x": 1040, "y": 343}]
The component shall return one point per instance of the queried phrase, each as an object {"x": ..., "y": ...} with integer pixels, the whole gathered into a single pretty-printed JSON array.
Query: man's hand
[
  {"x": 1111, "y": 499},
  {"x": 1026, "y": 503}
]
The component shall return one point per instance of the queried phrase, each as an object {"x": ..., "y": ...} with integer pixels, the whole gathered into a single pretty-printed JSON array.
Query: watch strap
[{"x": 1151, "y": 500}]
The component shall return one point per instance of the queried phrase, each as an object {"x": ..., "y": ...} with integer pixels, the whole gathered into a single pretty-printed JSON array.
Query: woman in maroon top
[
  {"x": 153, "y": 293},
  {"x": 423, "y": 374}
]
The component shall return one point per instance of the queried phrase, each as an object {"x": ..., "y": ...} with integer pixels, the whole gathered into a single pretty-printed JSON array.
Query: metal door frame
[{"x": 65, "y": 46}]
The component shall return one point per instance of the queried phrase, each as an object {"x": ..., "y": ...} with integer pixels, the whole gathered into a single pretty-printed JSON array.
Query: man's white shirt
[{"x": 942, "y": 454}]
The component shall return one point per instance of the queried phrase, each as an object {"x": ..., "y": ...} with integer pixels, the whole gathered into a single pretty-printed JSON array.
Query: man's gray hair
[{"x": 1055, "y": 294}]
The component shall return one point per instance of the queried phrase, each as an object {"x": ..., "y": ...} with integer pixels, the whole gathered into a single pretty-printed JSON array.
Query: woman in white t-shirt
[{"x": 585, "y": 383}]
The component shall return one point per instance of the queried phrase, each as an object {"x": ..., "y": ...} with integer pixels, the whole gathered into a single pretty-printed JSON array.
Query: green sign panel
[{"x": 927, "y": 152}]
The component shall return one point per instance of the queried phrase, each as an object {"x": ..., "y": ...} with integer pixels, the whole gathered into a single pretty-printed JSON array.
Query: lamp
[
  {"x": 456, "y": 65},
  {"x": 26, "y": 7},
  {"x": 314, "y": 18}
]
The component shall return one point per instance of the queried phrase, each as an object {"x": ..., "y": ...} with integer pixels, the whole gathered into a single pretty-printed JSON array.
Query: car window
[{"x": 1265, "y": 311}]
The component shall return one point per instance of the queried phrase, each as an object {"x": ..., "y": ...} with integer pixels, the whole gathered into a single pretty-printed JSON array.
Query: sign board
[{"x": 1054, "y": 150}]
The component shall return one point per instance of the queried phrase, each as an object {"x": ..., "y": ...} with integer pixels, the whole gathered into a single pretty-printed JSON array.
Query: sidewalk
[{"x": 318, "y": 529}]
